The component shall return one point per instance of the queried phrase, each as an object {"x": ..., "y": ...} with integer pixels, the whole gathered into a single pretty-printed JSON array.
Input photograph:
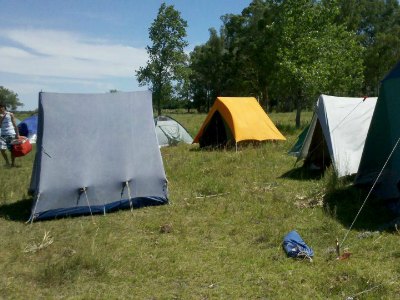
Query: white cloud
[
  {"x": 60, "y": 61},
  {"x": 14, "y": 53},
  {"x": 67, "y": 55}
]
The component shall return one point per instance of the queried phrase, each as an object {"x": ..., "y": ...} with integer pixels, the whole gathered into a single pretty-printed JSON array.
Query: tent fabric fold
[
  {"x": 90, "y": 148},
  {"x": 295, "y": 150}
]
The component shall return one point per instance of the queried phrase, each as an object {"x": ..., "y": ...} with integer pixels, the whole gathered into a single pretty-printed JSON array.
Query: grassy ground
[{"x": 220, "y": 237}]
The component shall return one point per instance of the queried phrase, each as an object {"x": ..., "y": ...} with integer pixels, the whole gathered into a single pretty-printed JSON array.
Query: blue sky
[{"x": 88, "y": 46}]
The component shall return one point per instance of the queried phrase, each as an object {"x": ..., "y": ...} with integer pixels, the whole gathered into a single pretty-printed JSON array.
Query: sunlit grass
[{"x": 220, "y": 238}]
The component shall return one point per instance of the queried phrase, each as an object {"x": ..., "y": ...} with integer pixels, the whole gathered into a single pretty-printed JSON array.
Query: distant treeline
[{"x": 287, "y": 52}]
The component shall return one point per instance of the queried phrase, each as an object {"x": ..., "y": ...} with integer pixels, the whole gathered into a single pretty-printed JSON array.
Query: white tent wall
[{"x": 344, "y": 122}]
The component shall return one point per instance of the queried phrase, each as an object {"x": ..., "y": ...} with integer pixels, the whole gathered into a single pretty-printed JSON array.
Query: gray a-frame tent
[{"x": 96, "y": 153}]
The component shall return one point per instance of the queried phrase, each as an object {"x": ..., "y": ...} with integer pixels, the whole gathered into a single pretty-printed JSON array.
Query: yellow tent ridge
[{"x": 236, "y": 119}]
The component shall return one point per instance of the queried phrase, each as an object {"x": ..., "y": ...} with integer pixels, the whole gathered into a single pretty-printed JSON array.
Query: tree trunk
[
  {"x": 157, "y": 95},
  {"x": 266, "y": 98},
  {"x": 158, "y": 91},
  {"x": 157, "y": 101},
  {"x": 159, "y": 106},
  {"x": 298, "y": 108},
  {"x": 208, "y": 101}
]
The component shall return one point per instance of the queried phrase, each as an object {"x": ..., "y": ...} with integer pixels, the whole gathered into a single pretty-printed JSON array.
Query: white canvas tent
[
  {"x": 96, "y": 153},
  {"x": 170, "y": 132},
  {"x": 337, "y": 133}
]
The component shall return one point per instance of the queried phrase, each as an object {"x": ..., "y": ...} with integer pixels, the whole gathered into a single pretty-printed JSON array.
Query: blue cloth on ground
[{"x": 294, "y": 246}]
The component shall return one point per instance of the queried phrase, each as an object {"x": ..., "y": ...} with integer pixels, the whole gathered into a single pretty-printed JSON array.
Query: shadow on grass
[
  {"x": 232, "y": 147},
  {"x": 18, "y": 211},
  {"x": 223, "y": 148},
  {"x": 343, "y": 204},
  {"x": 303, "y": 173}
]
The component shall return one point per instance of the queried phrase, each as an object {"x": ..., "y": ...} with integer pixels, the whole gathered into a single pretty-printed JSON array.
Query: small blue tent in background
[{"x": 28, "y": 128}]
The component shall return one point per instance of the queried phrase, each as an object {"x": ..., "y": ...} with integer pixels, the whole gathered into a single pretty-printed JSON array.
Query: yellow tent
[{"x": 236, "y": 119}]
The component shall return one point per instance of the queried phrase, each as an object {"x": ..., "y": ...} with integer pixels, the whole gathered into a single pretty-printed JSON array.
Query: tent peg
[{"x": 82, "y": 190}]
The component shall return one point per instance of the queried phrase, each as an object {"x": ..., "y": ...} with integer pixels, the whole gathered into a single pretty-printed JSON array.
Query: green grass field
[{"x": 219, "y": 238}]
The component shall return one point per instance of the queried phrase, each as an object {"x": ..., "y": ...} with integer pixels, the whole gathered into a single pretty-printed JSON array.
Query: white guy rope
[
  {"x": 340, "y": 123},
  {"x": 370, "y": 191},
  {"x": 87, "y": 200},
  {"x": 34, "y": 210},
  {"x": 129, "y": 195}
]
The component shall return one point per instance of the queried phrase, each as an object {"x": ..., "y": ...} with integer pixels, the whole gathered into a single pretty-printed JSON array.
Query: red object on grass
[{"x": 21, "y": 146}]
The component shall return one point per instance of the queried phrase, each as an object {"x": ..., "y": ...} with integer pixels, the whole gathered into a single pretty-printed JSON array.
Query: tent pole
[{"x": 34, "y": 210}]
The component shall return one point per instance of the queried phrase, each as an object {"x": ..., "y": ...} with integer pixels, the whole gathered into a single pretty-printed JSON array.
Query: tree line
[{"x": 283, "y": 52}]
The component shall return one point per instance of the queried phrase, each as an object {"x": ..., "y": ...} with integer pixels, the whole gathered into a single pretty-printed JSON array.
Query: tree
[
  {"x": 183, "y": 90},
  {"x": 9, "y": 98},
  {"x": 207, "y": 67},
  {"x": 250, "y": 51},
  {"x": 315, "y": 54},
  {"x": 377, "y": 25},
  {"x": 166, "y": 55},
  {"x": 280, "y": 51}
]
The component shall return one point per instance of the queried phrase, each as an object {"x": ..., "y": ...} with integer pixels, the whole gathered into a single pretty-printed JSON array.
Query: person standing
[{"x": 9, "y": 132}]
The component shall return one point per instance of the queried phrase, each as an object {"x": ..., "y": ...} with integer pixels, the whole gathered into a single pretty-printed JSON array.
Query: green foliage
[
  {"x": 251, "y": 52},
  {"x": 377, "y": 25},
  {"x": 235, "y": 63},
  {"x": 206, "y": 63},
  {"x": 167, "y": 59},
  {"x": 280, "y": 50},
  {"x": 9, "y": 98},
  {"x": 315, "y": 55},
  {"x": 287, "y": 52}
]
